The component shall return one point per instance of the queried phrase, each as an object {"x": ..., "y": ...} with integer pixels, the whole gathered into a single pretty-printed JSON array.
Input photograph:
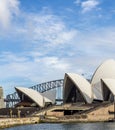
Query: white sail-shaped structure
[
  {"x": 105, "y": 70},
  {"x": 27, "y": 94},
  {"x": 76, "y": 89}
]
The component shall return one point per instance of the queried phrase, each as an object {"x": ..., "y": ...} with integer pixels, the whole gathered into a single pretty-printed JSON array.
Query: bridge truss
[{"x": 13, "y": 98}]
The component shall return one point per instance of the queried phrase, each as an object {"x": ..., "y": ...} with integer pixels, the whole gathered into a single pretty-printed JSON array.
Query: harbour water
[{"x": 68, "y": 126}]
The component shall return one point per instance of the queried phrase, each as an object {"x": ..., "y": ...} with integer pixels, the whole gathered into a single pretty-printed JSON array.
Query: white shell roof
[
  {"x": 34, "y": 95},
  {"x": 110, "y": 84},
  {"x": 82, "y": 84},
  {"x": 51, "y": 94},
  {"x": 105, "y": 70}
]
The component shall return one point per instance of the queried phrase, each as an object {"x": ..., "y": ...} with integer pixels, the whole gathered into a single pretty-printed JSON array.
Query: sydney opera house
[
  {"x": 91, "y": 97},
  {"x": 76, "y": 89}
]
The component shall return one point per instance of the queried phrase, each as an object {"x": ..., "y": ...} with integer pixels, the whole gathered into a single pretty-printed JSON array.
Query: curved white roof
[
  {"x": 34, "y": 95},
  {"x": 105, "y": 70},
  {"x": 82, "y": 84},
  {"x": 51, "y": 94},
  {"x": 110, "y": 83}
]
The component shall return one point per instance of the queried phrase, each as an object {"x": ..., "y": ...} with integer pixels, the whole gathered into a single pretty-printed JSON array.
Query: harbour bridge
[{"x": 13, "y": 98}]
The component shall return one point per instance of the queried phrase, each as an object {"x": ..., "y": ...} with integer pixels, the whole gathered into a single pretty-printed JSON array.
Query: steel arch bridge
[{"x": 13, "y": 98}]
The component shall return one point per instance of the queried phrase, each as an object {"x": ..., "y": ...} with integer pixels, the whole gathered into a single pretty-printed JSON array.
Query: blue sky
[{"x": 40, "y": 40}]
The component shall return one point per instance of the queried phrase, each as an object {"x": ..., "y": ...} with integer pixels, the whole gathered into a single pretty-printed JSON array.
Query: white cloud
[
  {"x": 87, "y": 5},
  {"x": 8, "y": 8},
  {"x": 9, "y": 57},
  {"x": 30, "y": 67},
  {"x": 41, "y": 29},
  {"x": 46, "y": 30},
  {"x": 88, "y": 51},
  {"x": 38, "y": 66},
  {"x": 56, "y": 63}
]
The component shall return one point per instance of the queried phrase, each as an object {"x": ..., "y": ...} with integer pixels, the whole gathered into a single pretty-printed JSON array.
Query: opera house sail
[
  {"x": 101, "y": 88},
  {"x": 103, "y": 81},
  {"x": 76, "y": 89},
  {"x": 32, "y": 97}
]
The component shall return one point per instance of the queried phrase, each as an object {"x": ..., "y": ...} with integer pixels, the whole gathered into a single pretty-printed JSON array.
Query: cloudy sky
[{"x": 40, "y": 40}]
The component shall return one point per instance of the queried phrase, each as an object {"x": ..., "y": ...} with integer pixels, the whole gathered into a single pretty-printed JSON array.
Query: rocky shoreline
[{"x": 10, "y": 122}]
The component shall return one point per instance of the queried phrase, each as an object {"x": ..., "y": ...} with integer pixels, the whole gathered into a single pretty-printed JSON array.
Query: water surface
[{"x": 75, "y": 126}]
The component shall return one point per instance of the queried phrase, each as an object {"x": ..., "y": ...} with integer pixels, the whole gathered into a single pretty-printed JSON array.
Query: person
[
  {"x": 19, "y": 113},
  {"x": 10, "y": 113}
]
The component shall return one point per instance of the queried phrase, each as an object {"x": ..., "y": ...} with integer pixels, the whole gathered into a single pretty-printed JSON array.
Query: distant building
[{"x": 2, "y": 103}]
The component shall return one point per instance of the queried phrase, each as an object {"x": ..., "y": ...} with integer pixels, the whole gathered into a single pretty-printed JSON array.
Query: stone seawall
[{"x": 9, "y": 122}]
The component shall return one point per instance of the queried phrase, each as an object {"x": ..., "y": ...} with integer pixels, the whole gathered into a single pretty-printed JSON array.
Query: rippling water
[{"x": 75, "y": 126}]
